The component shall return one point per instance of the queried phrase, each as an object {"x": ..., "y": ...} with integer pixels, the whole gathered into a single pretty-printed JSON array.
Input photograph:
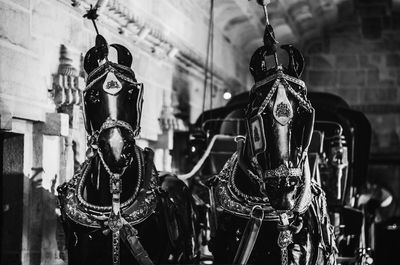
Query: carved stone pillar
[
  {"x": 167, "y": 123},
  {"x": 68, "y": 85}
]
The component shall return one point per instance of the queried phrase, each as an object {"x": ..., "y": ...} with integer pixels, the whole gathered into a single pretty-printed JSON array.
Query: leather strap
[
  {"x": 130, "y": 238},
  {"x": 213, "y": 213},
  {"x": 249, "y": 236}
]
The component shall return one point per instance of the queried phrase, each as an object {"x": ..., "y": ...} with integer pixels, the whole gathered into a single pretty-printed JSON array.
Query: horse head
[
  {"x": 279, "y": 128},
  {"x": 112, "y": 104}
]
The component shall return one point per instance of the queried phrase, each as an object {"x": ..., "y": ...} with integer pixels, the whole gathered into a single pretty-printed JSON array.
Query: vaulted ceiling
[{"x": 295, "y": 21}]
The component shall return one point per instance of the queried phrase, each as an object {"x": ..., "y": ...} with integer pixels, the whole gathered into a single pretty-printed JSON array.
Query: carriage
[{"x": 338, "y": 157}]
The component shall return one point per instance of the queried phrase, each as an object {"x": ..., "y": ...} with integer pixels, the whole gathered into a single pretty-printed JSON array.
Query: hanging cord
[
  {"x": 211, "y": 43},
  {"x": 209, "y": 53},
  {"x": 270, "y": 35}
]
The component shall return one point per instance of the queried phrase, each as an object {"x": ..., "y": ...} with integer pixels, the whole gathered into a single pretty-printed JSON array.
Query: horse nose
[
  {"x": 287, "y": 202},
  {"x": 111, "y": 143},
  {"x": 289, "y": 183}
]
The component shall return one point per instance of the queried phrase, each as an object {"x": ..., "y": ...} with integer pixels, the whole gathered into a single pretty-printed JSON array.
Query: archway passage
[{"x": 12, "y": 181}]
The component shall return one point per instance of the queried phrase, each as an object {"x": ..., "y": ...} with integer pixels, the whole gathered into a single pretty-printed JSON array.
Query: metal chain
[
  {"x": 285, "y": 238},
  {"x": 115, "y": 248}
]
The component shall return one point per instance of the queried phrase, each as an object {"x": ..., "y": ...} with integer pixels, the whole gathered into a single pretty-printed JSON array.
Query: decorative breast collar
[
  {"x": 134, "y": 210},
  {"x": 232, "y": 200}
]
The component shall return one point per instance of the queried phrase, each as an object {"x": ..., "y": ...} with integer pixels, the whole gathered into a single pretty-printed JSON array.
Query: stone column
[{"x": 168, "y": 123}]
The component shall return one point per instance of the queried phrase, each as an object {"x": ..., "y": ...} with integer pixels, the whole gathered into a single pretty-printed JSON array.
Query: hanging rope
[
  {"x": 211, "y": 43},
  {"x": 209, "y": 58}
]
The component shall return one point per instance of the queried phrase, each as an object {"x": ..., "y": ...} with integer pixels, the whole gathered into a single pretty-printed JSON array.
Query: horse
[
  {"x": 264, "y": 206},
  {"x": 117, "y": 194}
]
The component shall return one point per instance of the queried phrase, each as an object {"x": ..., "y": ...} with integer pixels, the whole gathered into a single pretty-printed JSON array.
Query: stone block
[
  {"x": 379, "y": 95},
  {"x": 322, "y": 78},
  {"x": 375, "y": 46},
  {"x": 346, "y": 61},
  {"x": 352, "y": 77},
  {"x": 74, "y": 113},
  {"x": 392, "y": 39},
  {"x": 345, "y": 44},
  {"x": 56, "y": 124},
  {"x": 380, "y": 78},
  {"x": 396, "y": 21},
  {"x": 387, "y": 22},
  {"x": 376, "y": 60},
  {"x": 21, "y": 75},
  {"x": 345, "y": 9},
  {"x": 372, "y": 61},
  {"x": 322, "y": 61},
  {"x": 393, "y": 74},
  {"x": 315, "y": 47},
  {"x": 371, "y": 27},
  {"x": 5, "y": 121},
  {"x": 350, "y": 94},
  {"x": 393, "y": 60},
  {"x": 46, "y": 23},
  {"x": 372, "y": 10},
  {"x": 14, "y": 25},
  {"x": 23, "y": 3},
  {"x": 386, "y": 130}
]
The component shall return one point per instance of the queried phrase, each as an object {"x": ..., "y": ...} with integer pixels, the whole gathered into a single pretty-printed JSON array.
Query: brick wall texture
[
  {"x": 359, "y": 60},
  {"x": 366, "y": 73}
]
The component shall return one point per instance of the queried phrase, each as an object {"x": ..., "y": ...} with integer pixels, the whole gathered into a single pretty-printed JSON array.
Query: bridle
[
  {"x": 257, "y": 142},
  {"x": 94, "y": 77},
  {"x": 255, "y": 124},
  {"x": 115, "y": 220}
]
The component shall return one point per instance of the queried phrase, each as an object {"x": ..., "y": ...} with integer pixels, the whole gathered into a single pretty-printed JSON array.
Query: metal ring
[{"x": 253, "y": 212}]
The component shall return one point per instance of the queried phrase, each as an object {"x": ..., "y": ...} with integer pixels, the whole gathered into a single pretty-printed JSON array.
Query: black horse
[
  {"x": 338, "y": 155},
  {"x": 265, "y": 208},
  {"x": 117, "y": 192}
]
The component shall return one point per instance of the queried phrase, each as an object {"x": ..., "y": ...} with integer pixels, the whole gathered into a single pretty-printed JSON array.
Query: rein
[
  {"x": 116, "y": 222},
  {"x": 238, "y": 203}
]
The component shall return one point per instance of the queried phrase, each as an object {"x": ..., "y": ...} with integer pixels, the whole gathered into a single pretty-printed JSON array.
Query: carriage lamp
[{"x": 227, "y": 95}]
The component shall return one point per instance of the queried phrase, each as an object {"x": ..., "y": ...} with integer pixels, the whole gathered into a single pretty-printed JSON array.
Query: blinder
[{"x": 282, "y": 110}]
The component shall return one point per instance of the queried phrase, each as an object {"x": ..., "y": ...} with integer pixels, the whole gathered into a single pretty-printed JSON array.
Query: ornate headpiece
[
  {"x": 112, "y": 96},
  {"x": 271, "y": 85}
]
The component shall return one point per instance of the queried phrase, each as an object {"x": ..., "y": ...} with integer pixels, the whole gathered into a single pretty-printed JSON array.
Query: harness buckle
[{"x": 115, "y": 184}]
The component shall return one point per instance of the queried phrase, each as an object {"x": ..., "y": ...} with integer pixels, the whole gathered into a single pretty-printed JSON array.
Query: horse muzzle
[
  {"x": 115, "y": 147},
  {"x": 280, "y": 186}
]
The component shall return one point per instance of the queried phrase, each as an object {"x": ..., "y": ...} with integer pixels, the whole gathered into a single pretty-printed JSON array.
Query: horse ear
[
  {"x": 257, "y": 64},
  {"x": 124, "y": 55},
  {"x": 90, "y": 62},
  {"x": 296, "y": 60},
  {"x": 101, "y": 47},
  {"x": 96, "y": 54}
]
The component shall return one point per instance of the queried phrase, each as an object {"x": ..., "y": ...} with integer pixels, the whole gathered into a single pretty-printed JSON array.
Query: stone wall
[
  {"x": 366, "y": 74},
  {"x": 359, "y": 61}
]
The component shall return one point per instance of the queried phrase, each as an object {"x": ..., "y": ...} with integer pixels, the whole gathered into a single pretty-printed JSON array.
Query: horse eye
[
  {"x": 131, "y": 94},
  {"x": 293, "y": 181},
  {"x": 274, "y": 183},
  {"x": 94, "y": 96}
]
